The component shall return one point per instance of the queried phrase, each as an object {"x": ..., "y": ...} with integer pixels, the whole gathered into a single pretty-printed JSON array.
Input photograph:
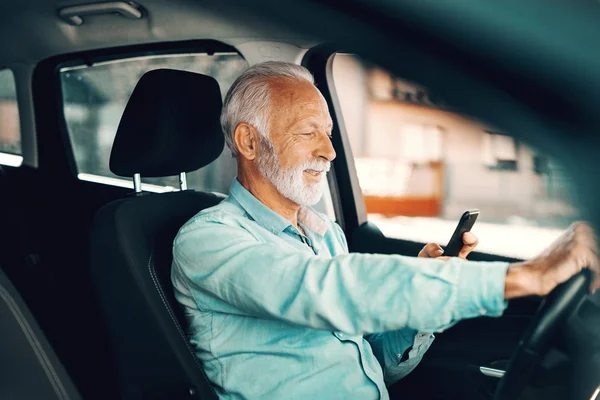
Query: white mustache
[{"x": 317, "y": 165}]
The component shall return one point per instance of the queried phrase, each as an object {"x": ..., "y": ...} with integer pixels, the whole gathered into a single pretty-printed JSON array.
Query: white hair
[{"x": 249, "y": 98}]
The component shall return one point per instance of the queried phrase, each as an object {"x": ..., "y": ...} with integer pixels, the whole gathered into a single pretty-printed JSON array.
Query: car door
[{"x": 406, "y": 169}]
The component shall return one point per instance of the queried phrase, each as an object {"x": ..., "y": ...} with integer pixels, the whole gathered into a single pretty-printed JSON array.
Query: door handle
[{"x": 492, "y": 372}]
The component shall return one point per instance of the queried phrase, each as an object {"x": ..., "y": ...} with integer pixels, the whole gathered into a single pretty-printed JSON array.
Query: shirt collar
[{"x": 268, "y": 218}]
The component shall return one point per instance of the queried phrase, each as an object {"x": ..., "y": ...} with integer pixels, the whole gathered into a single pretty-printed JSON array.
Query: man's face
[{"x": 298, "y": 155}]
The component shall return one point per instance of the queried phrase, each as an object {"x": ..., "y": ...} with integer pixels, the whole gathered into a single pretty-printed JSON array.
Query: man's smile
[{"x": 313, "y": 172}]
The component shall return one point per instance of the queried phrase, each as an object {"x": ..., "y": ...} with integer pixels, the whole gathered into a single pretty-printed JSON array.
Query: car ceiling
[{"x": 31, "y": 30}]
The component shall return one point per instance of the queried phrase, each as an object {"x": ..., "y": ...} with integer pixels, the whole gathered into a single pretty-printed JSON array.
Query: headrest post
[
  {"x": 182, "y": 181},
  {"x": 137, "y": 183}
]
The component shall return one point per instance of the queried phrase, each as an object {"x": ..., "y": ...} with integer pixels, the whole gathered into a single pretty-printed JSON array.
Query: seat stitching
[{"x": 158, "y": 286}]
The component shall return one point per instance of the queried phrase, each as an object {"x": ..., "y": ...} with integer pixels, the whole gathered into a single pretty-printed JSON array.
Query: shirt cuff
[{"x": 481, "y": 289}]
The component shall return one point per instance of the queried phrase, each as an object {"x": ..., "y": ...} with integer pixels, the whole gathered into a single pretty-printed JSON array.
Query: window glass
[
  {"x": 95, "y": 97},
  {"x": 10, "y": 130},
  {"x": 420, "y": 166}
]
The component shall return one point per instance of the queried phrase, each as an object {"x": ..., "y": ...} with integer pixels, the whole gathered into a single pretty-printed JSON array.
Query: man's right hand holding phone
[{"x": 434, "y": 250}]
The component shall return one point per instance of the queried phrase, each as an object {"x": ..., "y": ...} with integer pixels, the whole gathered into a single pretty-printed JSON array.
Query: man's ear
[{"x": 246, "y": 140}]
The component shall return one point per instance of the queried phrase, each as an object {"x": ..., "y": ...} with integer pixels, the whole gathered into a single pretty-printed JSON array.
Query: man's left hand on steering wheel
[{"x": 573, "y": 251}]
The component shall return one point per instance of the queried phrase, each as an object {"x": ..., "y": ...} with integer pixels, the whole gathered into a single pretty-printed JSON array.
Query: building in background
[{"x": 414, "y": 158}]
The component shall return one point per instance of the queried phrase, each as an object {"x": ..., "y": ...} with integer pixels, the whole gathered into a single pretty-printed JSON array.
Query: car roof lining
[{"x": 31, "y": 30}]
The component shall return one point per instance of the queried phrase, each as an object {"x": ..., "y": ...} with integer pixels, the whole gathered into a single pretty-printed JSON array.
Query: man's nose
[{"x": 325, "y": 148}]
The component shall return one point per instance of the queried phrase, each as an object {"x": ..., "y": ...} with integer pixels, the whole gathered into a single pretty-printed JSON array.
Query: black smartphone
[{"x": 464, "y": 225}]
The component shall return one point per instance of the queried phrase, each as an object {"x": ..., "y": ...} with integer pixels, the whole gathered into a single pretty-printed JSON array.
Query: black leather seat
[
  {"x": 29, "y": 368},
  {"x": 170, "y": 125}
]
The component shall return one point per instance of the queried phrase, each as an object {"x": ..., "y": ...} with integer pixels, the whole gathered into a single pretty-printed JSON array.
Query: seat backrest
[
  {"x": 170, "y": 125},
  {"x": 30, "y": 368},
  {"x": 132, "y": 241}
]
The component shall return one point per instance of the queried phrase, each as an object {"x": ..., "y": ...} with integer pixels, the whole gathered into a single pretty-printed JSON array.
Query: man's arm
[
  {"x": 352, "y": 293},
  {"x": 575, "y": 249}
]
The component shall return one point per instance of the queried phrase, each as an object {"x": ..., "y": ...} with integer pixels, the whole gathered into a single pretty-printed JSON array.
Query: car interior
[{"x": 110, "y": 141}]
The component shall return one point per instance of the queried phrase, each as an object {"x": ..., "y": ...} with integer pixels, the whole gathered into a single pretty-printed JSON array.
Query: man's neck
[{"x": 266, "y": 193}]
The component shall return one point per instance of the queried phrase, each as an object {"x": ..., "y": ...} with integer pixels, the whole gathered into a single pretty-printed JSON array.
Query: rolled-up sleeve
[{"x": 351, "y": 293}]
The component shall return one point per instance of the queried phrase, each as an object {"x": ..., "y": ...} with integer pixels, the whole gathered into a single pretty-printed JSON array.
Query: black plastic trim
[{"x": 350, "y": 199}]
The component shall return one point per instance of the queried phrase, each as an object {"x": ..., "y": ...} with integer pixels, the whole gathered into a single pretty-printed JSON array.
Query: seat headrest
[{"x": 170, "y": 125}]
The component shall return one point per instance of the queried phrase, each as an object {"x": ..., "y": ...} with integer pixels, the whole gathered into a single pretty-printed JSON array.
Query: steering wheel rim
[{"x": 535, "y": 342}]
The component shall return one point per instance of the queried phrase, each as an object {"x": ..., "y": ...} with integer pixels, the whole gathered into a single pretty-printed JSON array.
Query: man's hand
[
  {"x": 569, "y": 254},
  {"x": 433, "y": 250}
]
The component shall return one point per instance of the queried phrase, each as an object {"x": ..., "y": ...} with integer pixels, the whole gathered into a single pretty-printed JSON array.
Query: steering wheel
[{"x": 554, "y": 310}]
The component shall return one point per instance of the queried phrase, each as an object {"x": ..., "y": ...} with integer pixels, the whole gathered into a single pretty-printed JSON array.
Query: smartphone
[{"x": 464, "y": 225}]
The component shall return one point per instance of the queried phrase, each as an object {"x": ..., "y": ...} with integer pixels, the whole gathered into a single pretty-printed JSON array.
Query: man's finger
[
  {"x": 595, "y": 267},
  {"x": 431, "y": 250},
  {"x": 470, "y": 242},
  {"x": 470, "y": 239}
]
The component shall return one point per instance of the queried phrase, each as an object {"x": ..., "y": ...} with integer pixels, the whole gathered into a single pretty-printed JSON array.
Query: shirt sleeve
[{"x": 350, "y": 293}]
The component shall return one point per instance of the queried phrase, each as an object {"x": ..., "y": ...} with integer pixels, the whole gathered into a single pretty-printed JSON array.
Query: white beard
[{"x": 290, "y": 182}]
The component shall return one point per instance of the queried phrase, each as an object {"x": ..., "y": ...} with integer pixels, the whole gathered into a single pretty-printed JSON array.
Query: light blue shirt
[{"x": 274, "y": 314}]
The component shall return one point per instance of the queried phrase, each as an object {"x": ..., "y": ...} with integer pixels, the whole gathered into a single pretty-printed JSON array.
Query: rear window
[
  {"x": 95, "y": 97},
  {"x": 10, "y": 130}
]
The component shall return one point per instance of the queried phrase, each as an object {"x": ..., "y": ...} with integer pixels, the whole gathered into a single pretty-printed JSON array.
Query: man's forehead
[
  {"x": 294, "y": 90},
  {"x": 313, "y": 115},
  {"x": 298, "y": 105},
  {"x": 300, "y": 96}
]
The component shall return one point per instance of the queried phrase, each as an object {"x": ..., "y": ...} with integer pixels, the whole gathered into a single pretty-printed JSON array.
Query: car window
[
  {"x": 10, "y": 130},
  {"x": 95, "y": 97},
  {"x": 420, "y": 166}
]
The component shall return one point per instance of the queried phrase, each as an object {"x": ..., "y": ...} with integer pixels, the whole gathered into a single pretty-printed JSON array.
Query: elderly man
[{"x": 278, "y": 308}]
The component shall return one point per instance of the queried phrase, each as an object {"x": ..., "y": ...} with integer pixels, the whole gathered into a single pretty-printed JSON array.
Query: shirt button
[{"x": 482, "y": 311}]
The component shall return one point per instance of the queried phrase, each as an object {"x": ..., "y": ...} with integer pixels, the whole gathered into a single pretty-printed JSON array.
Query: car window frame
[{"x": 347, "y": 197}]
